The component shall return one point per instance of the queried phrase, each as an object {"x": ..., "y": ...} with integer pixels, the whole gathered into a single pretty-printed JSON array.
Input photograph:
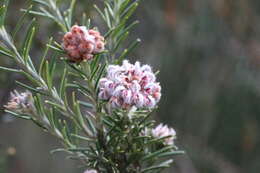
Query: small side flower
[
  {"x": 20, "y": 102},
  {"x": 82, "y": 44},
  {"x": 164, "y": 131}
]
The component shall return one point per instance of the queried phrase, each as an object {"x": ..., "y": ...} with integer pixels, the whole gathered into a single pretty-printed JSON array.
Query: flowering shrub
[{"x": 107, "y": 105}]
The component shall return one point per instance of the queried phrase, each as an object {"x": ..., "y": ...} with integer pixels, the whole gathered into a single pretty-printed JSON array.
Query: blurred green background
[{"x": 208, "y": 52}]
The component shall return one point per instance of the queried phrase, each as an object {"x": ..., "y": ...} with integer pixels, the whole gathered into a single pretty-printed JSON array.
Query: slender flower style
[
  {"x": 130, "y": 85},
  {"x": 164, "y": 131},
  {"x": 81, "y": 44},
  {"x": 91, "y": 171},
  {"x": 20, "y": 102}
]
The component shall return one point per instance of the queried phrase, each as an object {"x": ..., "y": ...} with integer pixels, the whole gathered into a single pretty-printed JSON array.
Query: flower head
[
  {"x": 130, "y": 85},
  {"x": 20, "y": 102},
  {"x": 91, "y": 171},
  {"x": 164, "y": 131},
  {"x": 81, "y": 44}
]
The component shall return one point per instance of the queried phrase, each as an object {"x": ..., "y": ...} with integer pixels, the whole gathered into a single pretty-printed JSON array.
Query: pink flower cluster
[
  {"x": 81, "y": 44},
  {"x": 130, "y": 85},
  {"x": 164, "y": 131}
]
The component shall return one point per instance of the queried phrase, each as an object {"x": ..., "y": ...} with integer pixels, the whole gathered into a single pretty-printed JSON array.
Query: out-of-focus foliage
[{"x": 209, "y": 56}]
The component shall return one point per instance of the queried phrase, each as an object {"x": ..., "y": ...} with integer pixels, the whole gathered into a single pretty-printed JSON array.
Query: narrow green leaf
[
  {"x": 10, "y": 69},
  {"x": 39, "y": 124},
  {"x": 127, "y": 51},
  {"x": 56, "y": 49},
  {"x": 94, "y": 63},
  {"x": 121, "y": 38},
  {"x": 82, "y": 88},
  {"x": 117, "y": 30},
  {"x": 30, "y": 88},
  {"x": 27, "y": 40},
  {"x": 108, "y": 33},
  {"x": 94, "y": 72},
  {"x": 90, "y": 124},
  {"x": 165, "y": 164},
  {"x": 26, "y": 117},
  {"x": 156, "y": 153},
  {"x": 47, "y": 75},
  {"x": 100, "y": 12},
  {"x": 86, "y": 104},
  {"x": 3, "y": 10},
  {"x": 71, "y": 9},
  {"x": 6, "y": 52},
  {"x": 129, "y": 27},
  {"x": 37, "y": 13},
  {"x": 129, "y": 11},
  {"x": 76, "y": 68},
  {"x": 109, "y": 8},
  {"x": 107, "y": 16},
  {"x": 21, "y": 21},
  {"x": 78, "y": 149},
  {"x": 101, "y": 71},
  {"x": 28, "y": 44},
  {"x": 43, "y": 61},
  {"x": 134, "y": 45},
  {"x": 58, "y": 150},
  {"x": 41, "y": 2},
  {"x": 39, "y": 105},
  {"x": 83, "y": 138},
  {"x": 53, "y": 65},
  {"x": 59, "y": 107},
  {"x": 123, "y": 6},
  {"x": 171, "y": 153},
  {"x": 63, "y": 83}
]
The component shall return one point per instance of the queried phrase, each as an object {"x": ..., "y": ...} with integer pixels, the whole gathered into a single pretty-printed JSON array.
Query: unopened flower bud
[{"x": 82, "y": 44}]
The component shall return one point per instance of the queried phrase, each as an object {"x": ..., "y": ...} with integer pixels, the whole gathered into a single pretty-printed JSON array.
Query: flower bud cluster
[
  {"x": 81, "y": 44},
  {"x": 163, "y": 131},
  {"x": 20, "y": 102},
  {"x": 130, "y": 85}
]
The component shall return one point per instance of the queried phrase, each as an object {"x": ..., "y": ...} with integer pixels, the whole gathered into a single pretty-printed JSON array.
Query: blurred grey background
[{"x": 208, "y": 54}]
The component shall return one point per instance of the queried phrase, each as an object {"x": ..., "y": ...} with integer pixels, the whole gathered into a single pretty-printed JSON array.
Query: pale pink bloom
[
  {"x": 91, "y": 171},
  {"x": 130, "y": 85},
  {"x": 82, "y": 44},
  {"x": 20, "y": 102},
  {"x": 163, "y": 131}
]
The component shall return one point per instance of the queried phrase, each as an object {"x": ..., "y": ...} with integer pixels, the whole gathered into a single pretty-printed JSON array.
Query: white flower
[
  {"x": 130, "y": 85},
  {"x": 164, "y": 131}
]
